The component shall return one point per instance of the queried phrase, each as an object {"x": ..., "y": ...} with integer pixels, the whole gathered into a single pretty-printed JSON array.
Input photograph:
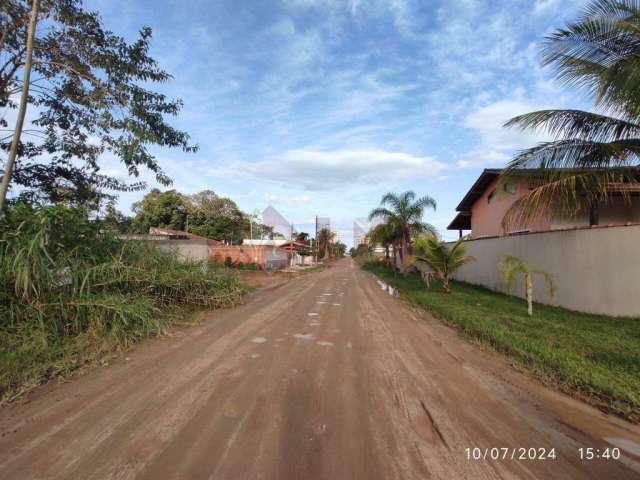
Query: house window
[
  {"x": 491, "y": 195},
  {"x": 510, "y": 187}
]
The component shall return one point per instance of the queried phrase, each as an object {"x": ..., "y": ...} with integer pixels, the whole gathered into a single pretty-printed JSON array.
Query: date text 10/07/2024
[{"x": 538, "y": 453}]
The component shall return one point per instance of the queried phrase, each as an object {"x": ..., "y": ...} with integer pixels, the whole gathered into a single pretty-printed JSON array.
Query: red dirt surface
[{"x": 364, "y": 389}]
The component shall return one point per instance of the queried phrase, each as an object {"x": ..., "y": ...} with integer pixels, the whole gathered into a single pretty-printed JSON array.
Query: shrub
[{"x": 69, "y": 291}]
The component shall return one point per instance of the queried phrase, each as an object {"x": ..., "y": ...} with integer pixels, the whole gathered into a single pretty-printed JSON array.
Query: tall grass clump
[{"x": 69, "y": 292}]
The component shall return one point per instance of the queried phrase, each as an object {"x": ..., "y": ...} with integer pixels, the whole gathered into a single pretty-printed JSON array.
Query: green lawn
[{"x": 592, "y": 356}]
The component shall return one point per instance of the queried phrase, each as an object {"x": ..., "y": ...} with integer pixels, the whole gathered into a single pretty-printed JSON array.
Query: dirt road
[{"x": 325, "y": 377}]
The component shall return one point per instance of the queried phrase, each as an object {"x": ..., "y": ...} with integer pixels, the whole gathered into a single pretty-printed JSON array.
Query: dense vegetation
[
  {"x": 592, "y": 356},
  {"x": 204, "y": 213},
  {"x": 69, "y": 292},
  {"x": 91, "y": 93}
]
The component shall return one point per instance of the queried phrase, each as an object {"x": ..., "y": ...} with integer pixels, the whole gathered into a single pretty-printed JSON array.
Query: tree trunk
[
  {"x": 529, "y": 283},
  {"x": 22, "y": 110},
  {"x": 403, "y": 251},
  {"x": 445, "y": 284},
  {"x": 393, "y": 249}
]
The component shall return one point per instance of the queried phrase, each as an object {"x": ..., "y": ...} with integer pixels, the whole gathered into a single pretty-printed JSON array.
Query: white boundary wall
[{"x": 596, "y": 270}]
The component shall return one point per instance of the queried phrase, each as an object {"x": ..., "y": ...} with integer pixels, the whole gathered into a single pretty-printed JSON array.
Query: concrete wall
[
  {"x": 187, "y": 249},
  {"x": 596, "y": 270}
]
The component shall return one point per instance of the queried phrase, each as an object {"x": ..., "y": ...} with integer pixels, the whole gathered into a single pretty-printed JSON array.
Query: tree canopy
[
  {"x": 204, "y": 213},
  {"x": 89, "y": 96},
  {"x": 403, "y": 212}
]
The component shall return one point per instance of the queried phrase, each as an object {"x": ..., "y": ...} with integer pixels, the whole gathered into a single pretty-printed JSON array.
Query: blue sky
[{"x": 321, "y": 106}]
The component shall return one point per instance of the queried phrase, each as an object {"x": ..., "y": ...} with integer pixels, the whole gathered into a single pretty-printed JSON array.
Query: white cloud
[
  {"x": 541, "y": 5},
  {"x": 497, "y": 143},
  {"x": 483, "y": 158},
  {"x": 326, "y": 170},
  {"x": 488, "y": 122},
  {"x": 286, "y": 199}
]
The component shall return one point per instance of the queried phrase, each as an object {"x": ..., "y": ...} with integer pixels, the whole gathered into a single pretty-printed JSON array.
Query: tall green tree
[
  {"x": 405, "y": 213},
  {"x": 338, "y": 249},
  {"x": 217, "y": 217},
  {"x": 169, "y": 209},
  {"x": 325, "y": 237},
  {"x": 592, "y": 155},
  {"x": 302, "y": 237},
  {"x": 90, "y": 94}
]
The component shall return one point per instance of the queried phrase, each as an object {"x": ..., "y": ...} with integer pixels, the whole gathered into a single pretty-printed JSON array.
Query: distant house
[
  {"x": 484, "y": 206},
  {"x": 179, "y": 235}
]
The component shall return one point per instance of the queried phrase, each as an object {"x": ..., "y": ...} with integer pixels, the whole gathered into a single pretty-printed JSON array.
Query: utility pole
[
  {"x": 22, "y": 110},
  {"x": 315, "y": 243},
  {"x": 291, "y": 246}
]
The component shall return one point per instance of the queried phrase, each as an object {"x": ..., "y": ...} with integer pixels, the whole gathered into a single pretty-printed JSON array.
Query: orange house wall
[
  {"x": 237, "y": 253},
  {"x": 486, "y": 218}
]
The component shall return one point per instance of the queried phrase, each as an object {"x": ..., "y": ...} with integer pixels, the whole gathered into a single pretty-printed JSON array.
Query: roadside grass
[
  {"x": 71, "y": 294},
  {"x": 593, "y": 357}
]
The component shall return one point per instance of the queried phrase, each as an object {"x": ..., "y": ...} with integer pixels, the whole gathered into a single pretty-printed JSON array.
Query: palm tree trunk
[
  {"x": 529, "y": 283},
  {"x": 445, "y": 284},
  {"x": 22, "y": 110}
]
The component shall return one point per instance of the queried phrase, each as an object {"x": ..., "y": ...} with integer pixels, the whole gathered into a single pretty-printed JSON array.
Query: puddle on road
[
  {"x": 387, "y": 288},
  {"x": 314, "y": 324},
  {"x": 255, "y": 355},
  {"x": 325, "y": 344},
  {"x": 303, "y": 336},
  {"x": 321, "y": 303},
  {"x": 336, "y": 304},
  {"x": 258, "y": 339},
  {"x": 313, "y": 314}
]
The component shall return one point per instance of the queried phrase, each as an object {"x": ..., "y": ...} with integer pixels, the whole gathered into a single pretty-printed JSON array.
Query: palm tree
[
  {"x": 511, "y": 266},
  {"x": 383, "y": 234},
  {"x": 443, "y": 260},
  {"x": 405, "y": 214},
  {"x": 592, "y": 155},
  {"x": 324, "y": 242}
]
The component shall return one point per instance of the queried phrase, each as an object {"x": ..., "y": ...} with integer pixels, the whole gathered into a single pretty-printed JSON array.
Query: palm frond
[
  {"x": 577, "y": 124},
  {"x": 424, "y": 202},
  {"x": 390, "y": 199},
  {"x": 578, "y": 153},
  {"x": 567, "y": 194},
  {"x": 424, "y": 227},
  {"x": 511, "y": 266},
  {"x": 380, "y": 212},
  {"x": 549, "y": 280},
  {"x": 599, "y": 52}
]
